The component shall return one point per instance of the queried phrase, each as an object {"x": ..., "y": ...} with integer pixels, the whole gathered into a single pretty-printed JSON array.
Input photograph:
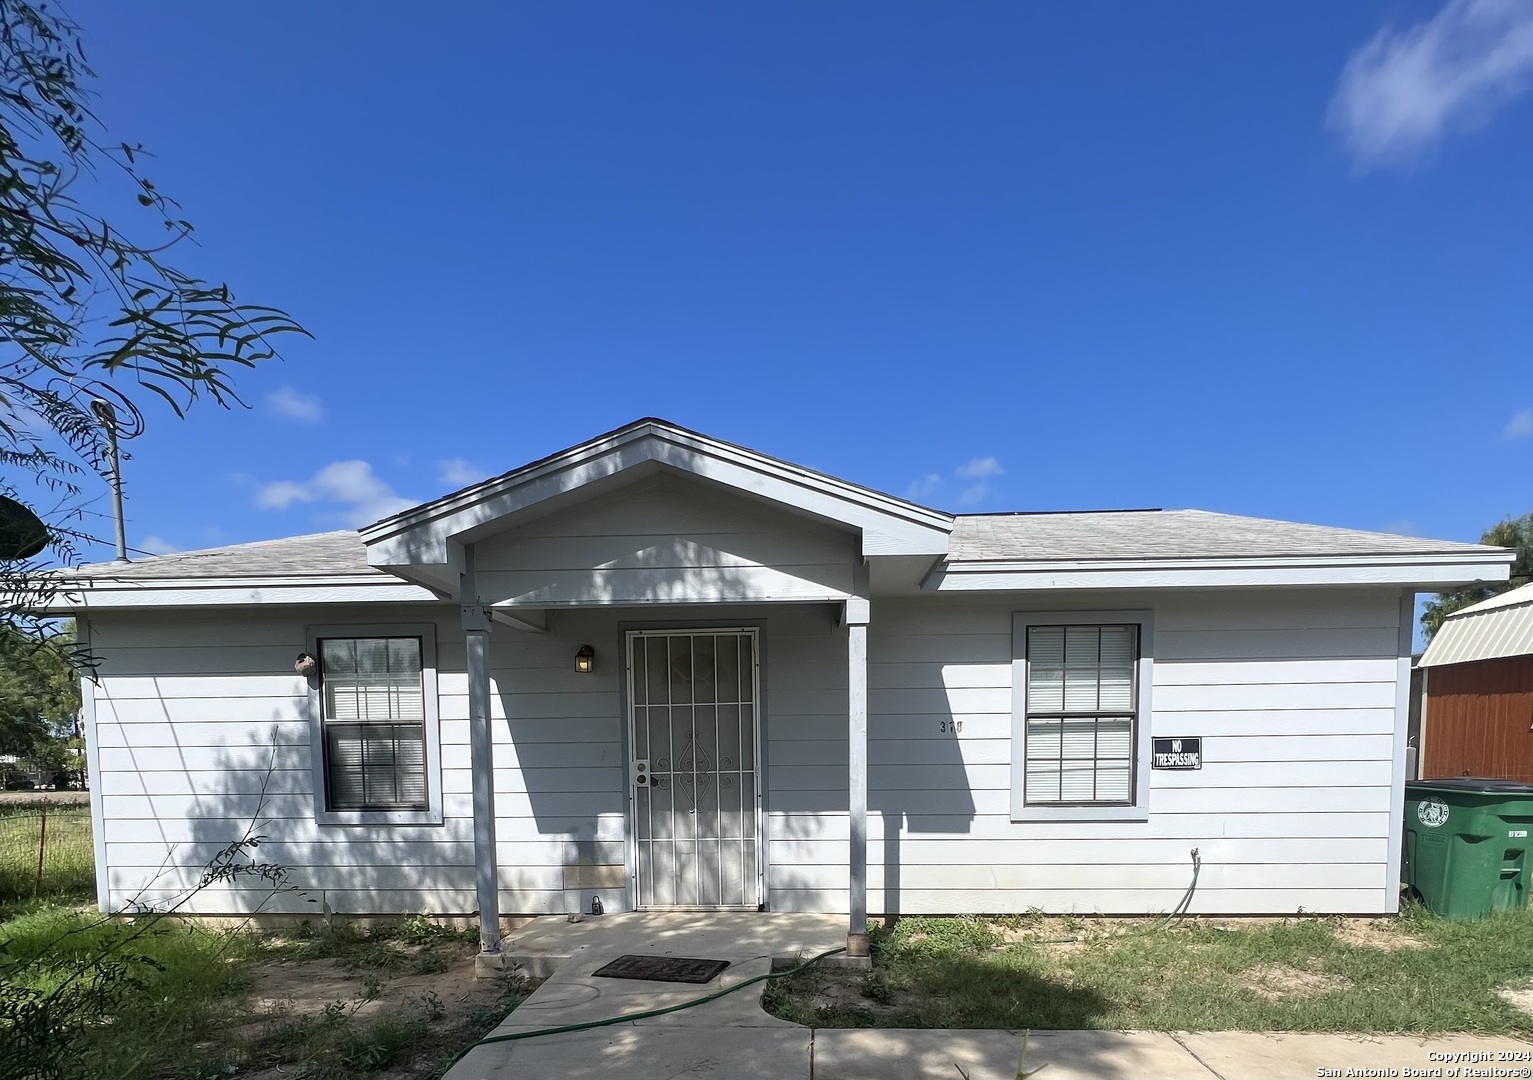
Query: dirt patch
[
  {"x": 1276, "y": 982},
  {"x": 410, "y": 1005},
  {"x": 302, "y": 987},
  {"x": 846, "y": 993},
  {"x": 1376, "y": 934},
  {"x": 1062, "y": 937},
  {"x": 1518, "y": 997}
]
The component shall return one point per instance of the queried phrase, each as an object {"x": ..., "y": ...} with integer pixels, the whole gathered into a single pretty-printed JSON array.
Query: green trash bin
[{"x": 1466, "y": 845}]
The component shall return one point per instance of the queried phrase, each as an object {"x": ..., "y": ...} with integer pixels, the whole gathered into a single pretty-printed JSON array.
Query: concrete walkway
[{"x": 733, "y": 1038}]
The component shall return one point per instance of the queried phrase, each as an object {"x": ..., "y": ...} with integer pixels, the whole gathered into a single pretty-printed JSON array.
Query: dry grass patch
[
  {"x": 1377, "y": 934},
  {"x": 298, "y": 988},
  {"x": 1275, "y": 982},
  {"x": 1519, "y": 997}
]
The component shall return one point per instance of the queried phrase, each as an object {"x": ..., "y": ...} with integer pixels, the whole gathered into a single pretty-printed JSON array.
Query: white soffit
[{"x": 1490, "y": 630}]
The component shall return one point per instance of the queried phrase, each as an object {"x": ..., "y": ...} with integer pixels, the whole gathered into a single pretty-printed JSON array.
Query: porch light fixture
[{"x": 585, "y": 660}]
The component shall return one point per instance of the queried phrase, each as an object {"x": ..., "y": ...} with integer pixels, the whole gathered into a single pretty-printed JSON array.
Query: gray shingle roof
[
  {"x": 1169, "y": 534},
  {"x": 316, "y": 555},
  {"x": 1109, "y": 534}
]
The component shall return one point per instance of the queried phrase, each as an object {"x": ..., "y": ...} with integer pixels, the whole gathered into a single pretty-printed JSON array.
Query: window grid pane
[
  {"x": 1079, "y": 739},
  {"x": 373, "y": 699}
]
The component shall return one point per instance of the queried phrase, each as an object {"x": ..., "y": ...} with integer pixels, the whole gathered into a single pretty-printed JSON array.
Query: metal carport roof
[{"x": 1490, "y": 630}]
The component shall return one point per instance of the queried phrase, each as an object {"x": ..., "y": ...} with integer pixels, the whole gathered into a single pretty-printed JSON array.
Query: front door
[{"x": 693, "y": 725}]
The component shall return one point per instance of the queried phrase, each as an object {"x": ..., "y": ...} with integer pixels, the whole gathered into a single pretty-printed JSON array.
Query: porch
[{"x": 645, "y": 591}]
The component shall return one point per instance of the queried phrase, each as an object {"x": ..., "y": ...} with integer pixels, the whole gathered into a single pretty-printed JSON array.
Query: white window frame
[
  {"x": 1138, "y": 808},
  {"x": 432, "y": 814}
]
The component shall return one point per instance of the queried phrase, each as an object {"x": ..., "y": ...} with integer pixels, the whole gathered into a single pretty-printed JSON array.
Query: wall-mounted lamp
[{"x": 585, "y": 660}]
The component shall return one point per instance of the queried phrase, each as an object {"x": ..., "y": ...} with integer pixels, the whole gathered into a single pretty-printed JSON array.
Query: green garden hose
[{"x": 626, "y": 1017}]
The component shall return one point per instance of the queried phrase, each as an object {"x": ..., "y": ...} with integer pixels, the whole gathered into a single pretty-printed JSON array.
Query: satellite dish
[{"x": 22, "y": 533}]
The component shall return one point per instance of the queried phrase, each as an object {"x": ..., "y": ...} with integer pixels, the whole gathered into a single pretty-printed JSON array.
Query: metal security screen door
[{"x": 693, "y": 723}]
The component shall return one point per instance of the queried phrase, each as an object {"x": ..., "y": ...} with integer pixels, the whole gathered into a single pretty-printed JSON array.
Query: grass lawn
[
  {"x": 324, "y": 1004},
  {"x": 177, "y": 1000},
  {"x": 68, "y": 868},
  {"x": 1417, "y": 973}
]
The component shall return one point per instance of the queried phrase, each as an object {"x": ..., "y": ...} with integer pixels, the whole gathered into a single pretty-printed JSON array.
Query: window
[
  {"x": 1081, "y": 693},
  {"x": 376, "y": 744},
  {"x": 1080, "y": 714},
  {"x": 375, "y": 723}
]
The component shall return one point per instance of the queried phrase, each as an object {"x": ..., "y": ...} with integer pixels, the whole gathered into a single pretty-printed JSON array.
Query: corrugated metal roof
[
  {"x": 1499, "y": 627},
  {"x": 1170, "y": 534}
]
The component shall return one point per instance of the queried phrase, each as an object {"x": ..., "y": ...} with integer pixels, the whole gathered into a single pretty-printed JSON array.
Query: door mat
[{"x": 681, "y": 969}]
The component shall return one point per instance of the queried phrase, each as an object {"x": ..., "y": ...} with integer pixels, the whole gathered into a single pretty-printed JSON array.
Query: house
[
  {"x": 1477, "y": 716},
  {"x": 665, "y": 671}
]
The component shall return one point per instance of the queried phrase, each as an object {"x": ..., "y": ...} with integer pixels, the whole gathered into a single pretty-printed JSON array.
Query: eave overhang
[
  {"x": 427, "y": 541},
  {"x": 1424, "y": 571},
  {"x": 86, "y": 594}
]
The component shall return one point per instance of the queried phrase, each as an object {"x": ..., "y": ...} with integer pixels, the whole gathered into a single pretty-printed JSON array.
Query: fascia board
[
  {"x": 234, "y": 592},
  {"x": 1386, "y": 570}
]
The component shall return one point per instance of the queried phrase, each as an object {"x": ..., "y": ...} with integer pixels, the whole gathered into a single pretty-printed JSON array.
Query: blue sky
[{"x": 1267, "y": 259}]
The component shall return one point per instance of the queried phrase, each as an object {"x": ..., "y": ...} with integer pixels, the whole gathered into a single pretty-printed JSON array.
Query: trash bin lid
[{"x": 1474, "y": 784}]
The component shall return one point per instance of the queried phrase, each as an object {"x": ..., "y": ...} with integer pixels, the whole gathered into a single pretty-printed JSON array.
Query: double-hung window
[
  {"x": 1080, "y": 715},
  {"x": 376, "y": 713}
]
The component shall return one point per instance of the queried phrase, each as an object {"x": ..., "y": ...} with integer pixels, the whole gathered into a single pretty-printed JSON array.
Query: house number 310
[{"x": 945, "y": 726}]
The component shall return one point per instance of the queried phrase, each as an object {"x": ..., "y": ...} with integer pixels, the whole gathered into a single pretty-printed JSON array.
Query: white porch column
[
  {"x": 476, "y": 626},
  {"x": 857, "y": 780}
]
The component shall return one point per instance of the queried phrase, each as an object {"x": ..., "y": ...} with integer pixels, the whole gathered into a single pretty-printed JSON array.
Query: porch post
[
  {"x": 857, "y": 780},
  {"x": 476, "y": 627}
]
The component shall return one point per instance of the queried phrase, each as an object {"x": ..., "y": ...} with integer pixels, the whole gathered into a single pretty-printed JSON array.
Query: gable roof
[
  {"x": 319, "y": 555},
  {"x": 321, "y": 568},
  {"x": 977, "y": 538},
  {"x": 1170, "y": 534},
  {"x": 1490, "y": 630},
  {"x": 427, "y": 536},
  {"x": 413, "y": 555}
]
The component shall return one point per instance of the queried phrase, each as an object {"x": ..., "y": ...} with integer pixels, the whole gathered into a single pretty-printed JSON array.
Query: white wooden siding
[
  {"x": 667, "y": 541},
  {"x": 1292, "y": 692}
]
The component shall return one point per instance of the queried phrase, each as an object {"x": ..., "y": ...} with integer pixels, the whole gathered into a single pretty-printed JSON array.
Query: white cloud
[
  {"x": 975, "y": 494},
  {"x": 158, "y": 545},
  {"x": 1406, "y": 90},
  {"x": 290, "y": 404},
  {"x": 974, "y": 474},
  {"x": 923, "y": 487},
  {"x": 362, "y": 495},
  {"x": 1519, "y": 426},
  {"x": 458, "y": 473},
  {"x": 979, "y": 468}
]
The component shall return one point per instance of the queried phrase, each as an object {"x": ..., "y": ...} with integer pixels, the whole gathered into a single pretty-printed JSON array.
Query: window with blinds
[
  {"x": 375, "y": 723},
  {"x": 1080, "y": 715}
]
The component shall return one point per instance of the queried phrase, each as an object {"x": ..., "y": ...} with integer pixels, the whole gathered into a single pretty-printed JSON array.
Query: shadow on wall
[
  {"x": 564, "y": 797},
  {"x": 561, "y": 801},
  {"x": 917, "y": 781},
  {"x": 264, "y": 792}
]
